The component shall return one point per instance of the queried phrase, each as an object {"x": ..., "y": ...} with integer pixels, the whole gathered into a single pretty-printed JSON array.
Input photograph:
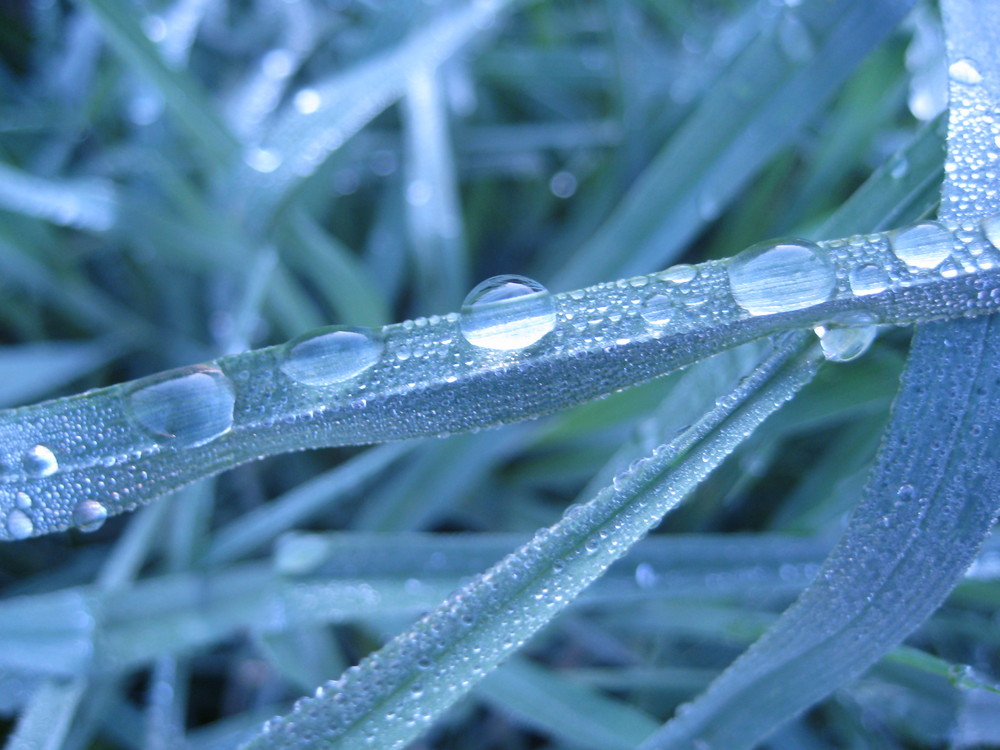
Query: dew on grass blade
[
  {"x": 868, "y": 279},
  {"x": 40, "y": 461},
  {"x": 658, "y": 310},
  {"x": 847, "y": 336},
  {"x": 89, "y": 515},
  {"x": 991, "y": 228},
  {"x": 19, "y": 525},
  {"x": 186, "y": 408},
  {"x": 331, "y": 355},
  {"x": 507, "y": 313},
  {"x": 780, "y": 276},
  {"x": 924, "y": 245}
]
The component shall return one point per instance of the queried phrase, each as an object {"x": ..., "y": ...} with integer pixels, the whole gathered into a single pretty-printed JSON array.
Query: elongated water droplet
[
  {"x": 188, "y": 407},
  {"x": 867, "y": 280},
  {"x": 847, "y": 336},
  {"x": 779, "y": 276},
  {"x": 658, "y": 310},
  {"x": 332, "y": 355},
  {"x": 19, "y": 525},
  {"x": 678, "y": 274},
  {"x": 965, "y": 71},
  {"x": 40, "y": 462},
  {"x": 89, "y": 515},
  {"x": 924, "y": 245},
  {"x": 991, "y": 228},
  {"x": 507, "y": 313}
]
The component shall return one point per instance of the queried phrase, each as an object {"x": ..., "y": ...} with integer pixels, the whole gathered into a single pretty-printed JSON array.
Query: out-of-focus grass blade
[
  {"x": 28, "y": 371},
  {"x": 563, "y": 709},
  {"x": 778, "y": 84},
  {"x": 182, "y": 94},
  {"x": 396, "y": 692},
  {"x": 322, "y": 117},
  {"x": 47, "y": 718},
  {"x": 932, "y": 497},
  {"x": 89, "y": 203}
]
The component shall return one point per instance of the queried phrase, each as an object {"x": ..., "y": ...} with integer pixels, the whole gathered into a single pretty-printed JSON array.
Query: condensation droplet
[
  {"x": 262, "y": 160},
  {"x": 779, "y": 276},
  {"x": 22, "y": 500},
  {"x": 89, "y": 515},
  {"x": 923, "y": 245},
  {"x": 331, "y": 355},
  {"x": 658, "y": 310},
  {"x": 868, "y": 279},
  {"x": 847, "y": 336},
  {"x": 307, "y": 101},
  {"x": 507, "y": 313},
  {"x": 188, "y": 407},
  {"x": 40, "y": 462},
  {"x": 965, "y": 71},
  {"x": 991, "y": 229},
  {"x": 678, "y": 274},
  {"x": 19, "y": 525}
]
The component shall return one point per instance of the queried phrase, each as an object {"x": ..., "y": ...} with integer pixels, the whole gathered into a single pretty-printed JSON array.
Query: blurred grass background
[{"x": 181, "y": 180}]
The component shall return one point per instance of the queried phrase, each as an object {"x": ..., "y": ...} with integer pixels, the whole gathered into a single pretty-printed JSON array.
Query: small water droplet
[
  {"x": 507, "y": 313},
  {"x": 923, "y": 245},
  {"x": 19, "y": 525},
  {"x": 779, "y": 276},
  {"x": 991, "y": 228},
  {"x": 678, "y": 274},
  {"x": 23, "y": 500},
  {"x": 89, "y": 515},
  {"x": 867, "y": 280},
  {"x": 899, "y": 167},
  {"x": 563, "y": 184},
  {"x": 965, "y": 71},
  {"x": 331, "y": 355},
  {"x": 307, "y": 101},
  {"x": 847, "y": 336},
  {"x": 188, "y": 407},
  {"x": 262, "y": 160},
  {"x": 658, "y": 310},
  {"x": 40, "y": 462}
]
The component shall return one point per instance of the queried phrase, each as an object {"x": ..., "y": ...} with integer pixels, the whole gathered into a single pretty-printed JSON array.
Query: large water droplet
[
  {"x": 19, "y": 525},
  {"x": 89, "y": 515},
  {"x": 847, "y": 336},
  {"x": 331, "y": 355},
  {"x": 779, "y": 276},
  {"x": 507, "y": 313},
  {"x": 991, "y": 228},
  {"x": 188, "y": 407},
  {"x": 867, "y": 280},
  {"x": 965, "y": 71},
  {"x": 924, "y": 245},
  {"x": 658, "y": 310},
  {"x": 40, "y": 462}
]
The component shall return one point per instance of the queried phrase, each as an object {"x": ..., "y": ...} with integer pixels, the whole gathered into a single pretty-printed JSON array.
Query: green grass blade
[
  {"x": 83, "y": 203},
  {"x": 395, "y": 693},
  {"x": 28, "y": 371},
  {"x": 46, "y": 721}
]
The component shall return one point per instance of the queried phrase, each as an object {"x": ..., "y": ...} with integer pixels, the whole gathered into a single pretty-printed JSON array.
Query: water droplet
[
  {"x": 23, "y": 500},
  {"x": 778, "y": 276},
  {"x": 507, "y": 313},
  {"x": 847, "y": 336},
  {"x": 307, "y": 101},
  {"x": 991, "y": 228},
  {"x": 563, "y": 184},
  {"x": 188, "y": 407},
  {"x": 89, "y": 515},
  {"x": 331, "y": 355},
  {"x": 924, "y": 245},
  {"x": 678, "y": 274},
  {"x": 262, "y": 160},
  {"x": 40, "y": 462},
  {"x": 965, "y": 71},
  {"x": 19, "y": 526},
  {"x": 867, "y": 280},
  {"x": 658, "y": 310}
]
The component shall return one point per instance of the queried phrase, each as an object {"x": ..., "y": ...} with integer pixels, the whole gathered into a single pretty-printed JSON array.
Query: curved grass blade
[
  {"x": 397, "y": 692},
  {"x": 932, "y": 497},
  {"x": 133, "y": 442},
  {"x": 84, "y": 203}
]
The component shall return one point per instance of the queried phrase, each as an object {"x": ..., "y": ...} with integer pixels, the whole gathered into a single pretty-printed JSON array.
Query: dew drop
[
  {"x": 991, "y": 228},
  {"x": 331, "y": 355},
  {"x": 965, "y": 71},
  {"x": 658, "y": 310},
  {"x": 847, "y": 336},
  {"x": 188, "y": 407},
  {"x": 89, "y": 515},
  {"x": 507, "y": 313},
  {"x": 262, "y": 160},
  {"x": 23, "y": 500},
  {"x": 775, "y": 277},
  {"x": 40, "y": 462},
  {"x": 923, "y": 245},
  {"x": 678, "y": 274},
  {"x": 867, "y": 280},
  {"x": 19, "y": 525}
]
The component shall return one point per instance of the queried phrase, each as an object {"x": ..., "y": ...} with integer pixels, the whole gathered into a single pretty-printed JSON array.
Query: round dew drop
[
  {"x": 186, "y": 408},
  {"x": 867, "y": 280},
  {"x": 507, "y": 313},
  {"x": 89, "y": 515},
  {"x": 846, "y": 337},
  {"x": 780, "y": 276},
  {"x": 924, "y": 245},
  {"x": 991, "y": 228},
  {"x": 40, "y": 461},
  {"x": 658, "y": 310},
  {"x": 331, "y": 355},
  {"x": 19, "y": 525}
]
